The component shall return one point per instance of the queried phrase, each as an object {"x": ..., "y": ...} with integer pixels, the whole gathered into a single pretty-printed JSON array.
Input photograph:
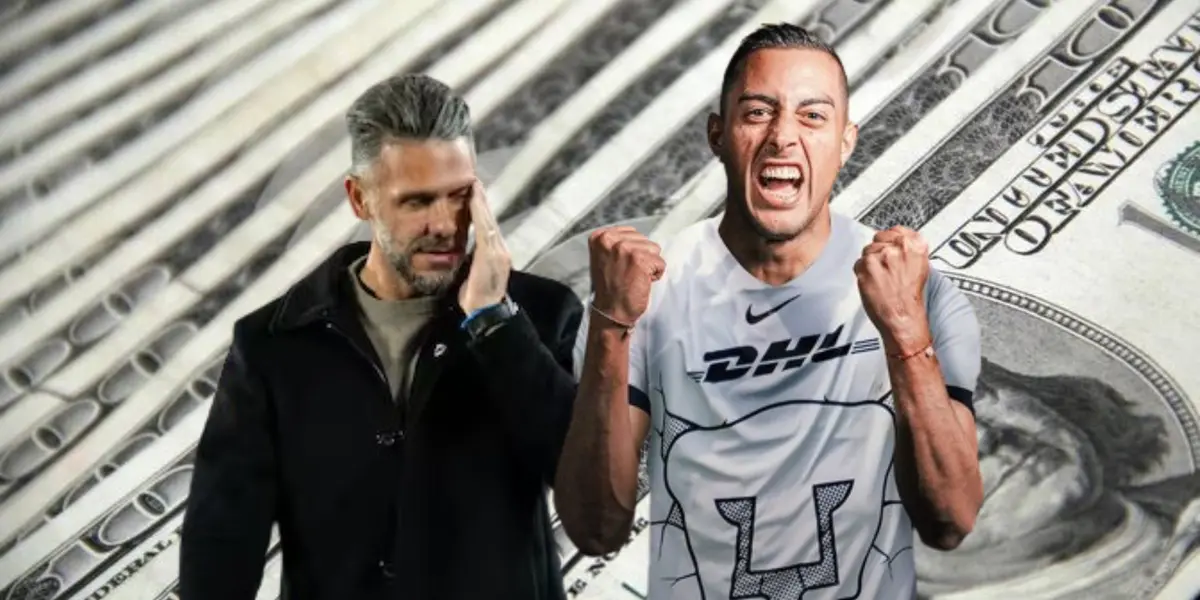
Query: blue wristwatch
[{"x": 484, "y": 320}]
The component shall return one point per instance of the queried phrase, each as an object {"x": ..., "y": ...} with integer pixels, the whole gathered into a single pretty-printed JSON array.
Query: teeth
[
  {"x": 783, "y": 195},
  {"x": 780, "y": 172}
]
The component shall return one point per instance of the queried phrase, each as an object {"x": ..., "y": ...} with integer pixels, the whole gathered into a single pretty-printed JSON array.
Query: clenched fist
[
  {"x": 623, "y": 263},
  {"x": 891, "y": 280}
]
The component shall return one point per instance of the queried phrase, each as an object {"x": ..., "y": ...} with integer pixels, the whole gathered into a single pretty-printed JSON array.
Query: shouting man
[
  {"x": 384, "y": 411},
  {"x": 805, "y": 382}
]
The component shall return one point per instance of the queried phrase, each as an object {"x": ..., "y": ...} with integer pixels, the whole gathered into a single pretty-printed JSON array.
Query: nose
[
  {"x": 784, "y": 134},
  {"x": 443, "y": 217}
]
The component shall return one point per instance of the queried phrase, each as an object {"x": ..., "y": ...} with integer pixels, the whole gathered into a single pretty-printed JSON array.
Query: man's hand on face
[{"x": 487, "y": 278}]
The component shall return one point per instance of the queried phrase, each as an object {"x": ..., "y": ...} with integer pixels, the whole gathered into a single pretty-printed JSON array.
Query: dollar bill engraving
[
  {"x": 1102, "y": 129},
  {"x": 986, "y": 37},
  {"x": 941, "y": 177},
  {"x": 590, "y": 52},
  {"x": 632, "y": 100}
]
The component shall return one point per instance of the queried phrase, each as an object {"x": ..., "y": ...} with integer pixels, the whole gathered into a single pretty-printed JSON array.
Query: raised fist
[
  {"x": 891, "y": 281},
  {"x": 623, "y": 263}
]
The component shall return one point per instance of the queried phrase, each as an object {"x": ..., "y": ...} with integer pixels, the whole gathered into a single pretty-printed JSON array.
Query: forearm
[
  {"x": 534, "y": 391},
  {"x": 596, "y": 487},
  {"x": 937, "y": 466}
]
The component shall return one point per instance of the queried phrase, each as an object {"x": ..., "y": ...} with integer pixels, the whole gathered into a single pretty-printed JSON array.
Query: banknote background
[{"x": 168, "y": 165}]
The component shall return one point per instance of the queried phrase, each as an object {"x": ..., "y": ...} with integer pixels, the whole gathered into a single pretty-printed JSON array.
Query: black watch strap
[{"x": 483, "y": 321}]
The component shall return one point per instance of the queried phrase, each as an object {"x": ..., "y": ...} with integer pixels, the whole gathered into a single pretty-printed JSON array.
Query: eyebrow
[
  {"x": 422, "y": 196},
  {"x": 774, "y": 103},
  {"x": 431, "y": 195}
]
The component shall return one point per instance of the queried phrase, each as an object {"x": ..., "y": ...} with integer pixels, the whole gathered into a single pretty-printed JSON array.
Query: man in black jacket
[{"x": 389, "y": 410}]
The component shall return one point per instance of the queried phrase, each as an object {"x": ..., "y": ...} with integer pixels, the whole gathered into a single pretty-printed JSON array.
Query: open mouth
[{"x": 780, "y": 183}]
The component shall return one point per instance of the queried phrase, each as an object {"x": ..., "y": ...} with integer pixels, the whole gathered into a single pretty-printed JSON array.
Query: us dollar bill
[
  {"x": 1080, "y": 251},
  {"x": 1012, "y": 110},
  {"x": 130, "y": 552},
  {"x": 25, "y": 458},
  {"x": 585, "y": 57},
  {"x": 987, "y": 37},
  {"x": 1089, "y": 140},
  {"x": 147, "y": 521}
]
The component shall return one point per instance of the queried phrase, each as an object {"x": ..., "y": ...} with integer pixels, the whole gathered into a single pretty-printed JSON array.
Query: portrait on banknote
[{"x": 1086, "y": 451}]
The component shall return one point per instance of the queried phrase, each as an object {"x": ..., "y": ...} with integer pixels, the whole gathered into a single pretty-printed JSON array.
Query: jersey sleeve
[
  {"x": 956, "y": 336},
  {"x": 637, "y": 358}
]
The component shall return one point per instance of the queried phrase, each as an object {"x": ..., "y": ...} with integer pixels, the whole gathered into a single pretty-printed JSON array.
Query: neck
[
  {"x": 379, "y": 277},
  {"x": 774, "y": 262}
]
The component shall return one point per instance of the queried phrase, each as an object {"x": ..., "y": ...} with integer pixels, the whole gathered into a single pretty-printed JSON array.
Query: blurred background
[{"x": 168, "y": 165}]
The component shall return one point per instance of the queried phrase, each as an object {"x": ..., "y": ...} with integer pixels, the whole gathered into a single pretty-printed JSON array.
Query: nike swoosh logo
[{"x": 752, "y": 318}]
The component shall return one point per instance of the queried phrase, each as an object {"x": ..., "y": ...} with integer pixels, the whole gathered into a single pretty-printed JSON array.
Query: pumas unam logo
[{"x": 728, "y": 364}]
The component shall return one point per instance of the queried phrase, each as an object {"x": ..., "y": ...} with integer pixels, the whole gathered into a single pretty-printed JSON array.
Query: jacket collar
[{"x": 326, "y": 293}]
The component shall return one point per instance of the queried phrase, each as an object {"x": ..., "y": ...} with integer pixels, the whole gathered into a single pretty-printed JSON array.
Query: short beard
[
  {"x": 772, "y": 237},
  {"x": 740, "y": 200},
  {"x": 401, "y": 261}
]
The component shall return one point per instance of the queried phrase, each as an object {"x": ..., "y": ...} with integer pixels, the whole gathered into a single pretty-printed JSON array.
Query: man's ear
[
  {"x": 716, "y": 134},
  {"x": 849, "y": 141},
  {"x": 357, "y": 198}
]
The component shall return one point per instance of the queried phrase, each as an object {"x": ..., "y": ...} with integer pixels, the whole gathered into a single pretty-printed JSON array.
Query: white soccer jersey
[{"x": 772, "y": 425}]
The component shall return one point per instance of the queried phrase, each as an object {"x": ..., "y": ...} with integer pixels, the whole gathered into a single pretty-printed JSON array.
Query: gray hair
[
  {"x": 414, "y": 106},
  {"x": 784, "y": 36}
]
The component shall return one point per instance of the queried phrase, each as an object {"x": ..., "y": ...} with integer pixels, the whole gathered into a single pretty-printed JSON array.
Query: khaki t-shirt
[{"x": 395, "y": 329}]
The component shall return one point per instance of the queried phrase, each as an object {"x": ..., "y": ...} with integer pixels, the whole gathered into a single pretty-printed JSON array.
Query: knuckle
[
  {"x": 596, "y": 239},
  {"x": 603, "y": 234}
]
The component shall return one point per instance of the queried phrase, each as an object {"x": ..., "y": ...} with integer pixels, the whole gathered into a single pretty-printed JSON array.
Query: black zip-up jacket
[{"x": 441, "y": 499}]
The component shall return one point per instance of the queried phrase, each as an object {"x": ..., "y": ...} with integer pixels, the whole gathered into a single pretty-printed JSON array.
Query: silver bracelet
[{"x": 628, "y": 327}]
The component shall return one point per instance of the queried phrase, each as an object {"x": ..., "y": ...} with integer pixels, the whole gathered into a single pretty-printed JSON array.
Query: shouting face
[
  {"x": 782, "y": 138},
  {"x": 416, "y": 195}
]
